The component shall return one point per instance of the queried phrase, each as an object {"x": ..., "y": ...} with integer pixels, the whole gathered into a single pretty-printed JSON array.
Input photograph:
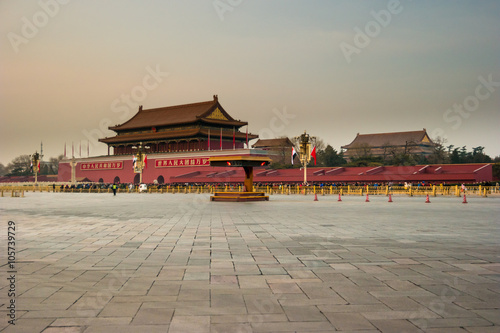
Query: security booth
[{"x": 247, "y": 163}]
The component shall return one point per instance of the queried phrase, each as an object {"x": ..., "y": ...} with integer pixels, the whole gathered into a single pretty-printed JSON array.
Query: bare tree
[
  {"x": 439, "y": 153},
  {"x": 319, "y": 144},
  {"x": 53, "y": 164},
  {"x": 3, "y": 169},
  {"x": 315, "y": 142},
  {"x": 19, "y": 166},
  {"x": 388, "y": 149},
  {"x": 410, "y": 147},
  {"x": 361, "y": 150}
]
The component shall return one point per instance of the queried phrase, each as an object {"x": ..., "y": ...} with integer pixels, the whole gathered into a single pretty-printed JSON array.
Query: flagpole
[
  {"x": 88, "y": 148},
  {"x": 234, "y": 139},
  {"x": 209, "y": 139},
  {"x": 221, "y": 138},
  {"x": 248, "y": 147},
  {"x": 64, "y": 149}
]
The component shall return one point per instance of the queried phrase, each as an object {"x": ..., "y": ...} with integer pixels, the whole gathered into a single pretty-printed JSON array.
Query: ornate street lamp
[
  {"x": 305, "y": 141},
  {"x": 139, "y": 160},
  {"x": 35, "y": 159}
]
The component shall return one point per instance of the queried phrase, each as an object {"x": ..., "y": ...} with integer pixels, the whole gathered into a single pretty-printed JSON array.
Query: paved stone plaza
[{"x": 179, "y": 263}]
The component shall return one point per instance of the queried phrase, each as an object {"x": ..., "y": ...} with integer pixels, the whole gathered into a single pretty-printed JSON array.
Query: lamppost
[
  {"x": 35, "y": 159},
  {"x": 139, "y": 160},
  {"x": 305, "y": 141}
]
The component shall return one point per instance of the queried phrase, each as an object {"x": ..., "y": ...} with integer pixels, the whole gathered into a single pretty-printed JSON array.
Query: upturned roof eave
[
  {"x": 197, "y": 120},
  {"x": 207, "y": 107},
  {"x": 223, "y": 122},
  {"x": 147, "y": 136},
  {"x": 348, "y": 145},
  {"x": 173, "y": 135}
]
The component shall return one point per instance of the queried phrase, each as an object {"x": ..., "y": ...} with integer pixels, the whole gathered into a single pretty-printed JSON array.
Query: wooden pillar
[{"x": 248, "y": 178}]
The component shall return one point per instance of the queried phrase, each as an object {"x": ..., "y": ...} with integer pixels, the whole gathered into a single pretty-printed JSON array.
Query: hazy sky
[{"x": 69, "y": 69}]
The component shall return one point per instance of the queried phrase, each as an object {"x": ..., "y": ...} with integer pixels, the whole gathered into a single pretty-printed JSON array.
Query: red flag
[
  {"x": 221, "y": 138},
  {"x": 38, "y": 166},
  {"x": 145, "y": 161},
  {"x": 313, "y": 154},
  {"x": 234, "y": 139},
  {"x": 294, "y": 153}
]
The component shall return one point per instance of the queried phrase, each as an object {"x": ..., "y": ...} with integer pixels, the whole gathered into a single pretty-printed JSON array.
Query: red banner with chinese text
[
  {"x": 182, "y": 162},
  {"x": 101, "y": 166}
]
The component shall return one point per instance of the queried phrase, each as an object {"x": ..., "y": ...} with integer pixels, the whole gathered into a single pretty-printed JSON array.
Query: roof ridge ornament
[
  {"x": 140, "y": 108},
  {"x": 216, "y": 98}
]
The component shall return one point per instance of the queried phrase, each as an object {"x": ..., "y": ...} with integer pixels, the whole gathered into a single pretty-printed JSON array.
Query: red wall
[
  {"x": 449, "y": 173},
  {"x": 468, "y": 173},
  {"x": 151, "y": 173}
]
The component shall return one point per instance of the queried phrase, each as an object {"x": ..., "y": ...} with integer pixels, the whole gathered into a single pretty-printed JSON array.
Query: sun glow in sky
[{"x": 70, "y": 69}]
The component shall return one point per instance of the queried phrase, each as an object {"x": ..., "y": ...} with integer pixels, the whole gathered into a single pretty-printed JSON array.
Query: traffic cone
[
  {"x": 390, "y": 198},
  {"x": 465, "y": 199},
  {"x": 315, "y": 197},
  {"x": 427, "y": 199},
  {"x": 367, "y": 200},
  {"x": 340, "y": 199}
]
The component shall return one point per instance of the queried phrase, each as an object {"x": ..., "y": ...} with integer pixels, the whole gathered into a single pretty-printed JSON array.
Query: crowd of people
[{"x": 280, "y": 185}]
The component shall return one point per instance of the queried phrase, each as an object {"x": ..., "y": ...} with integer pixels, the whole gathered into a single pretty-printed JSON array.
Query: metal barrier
[{"x": 435, "y": 190}]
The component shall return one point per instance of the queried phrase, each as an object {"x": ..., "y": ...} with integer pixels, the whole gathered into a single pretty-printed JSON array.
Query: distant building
[
  {"x": 280, "y": 149},
  {"x": 386, "y": 145}
]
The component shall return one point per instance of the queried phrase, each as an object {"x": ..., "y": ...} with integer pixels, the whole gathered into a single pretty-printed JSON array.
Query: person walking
[{"x": 114, "y": 188}]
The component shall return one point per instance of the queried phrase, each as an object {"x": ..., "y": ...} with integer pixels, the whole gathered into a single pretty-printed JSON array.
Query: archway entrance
[
  {"x": 137, "y": 178},
  {"x": 161, "y": 180},
  {"x": 116, "y": 180}
]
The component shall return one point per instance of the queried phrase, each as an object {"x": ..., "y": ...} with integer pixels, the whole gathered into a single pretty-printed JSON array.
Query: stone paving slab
[{"x": 180, "y": 263}]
